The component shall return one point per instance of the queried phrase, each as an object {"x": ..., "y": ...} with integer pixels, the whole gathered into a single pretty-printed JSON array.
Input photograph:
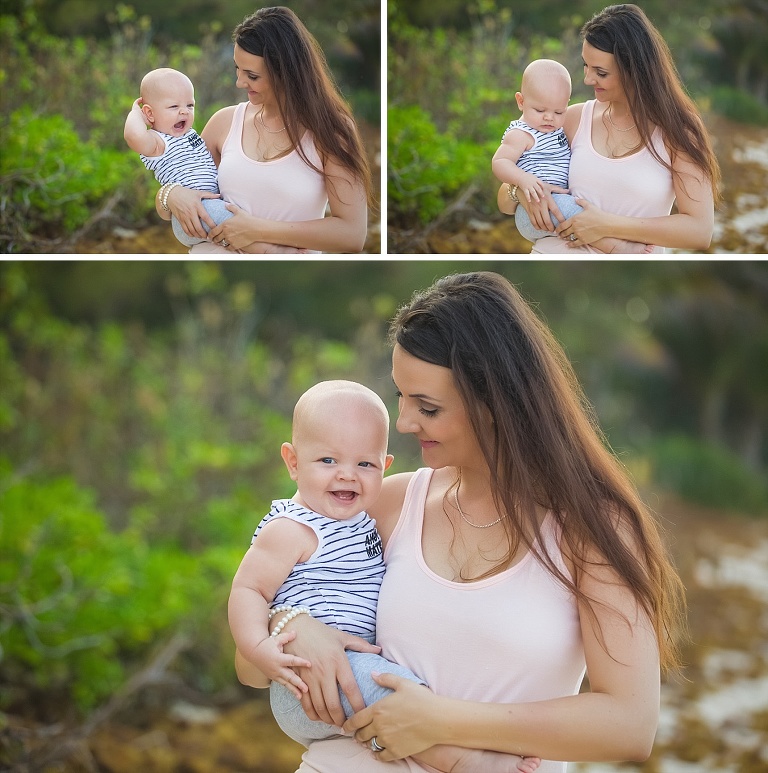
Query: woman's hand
[
  {"x": 187, "y": 207},
  {"x": 587, "y": 227},
  {"x": 403, "y": 723},
  {"x": 238, "y": 231},
  {"x": 538, "y": 211},
  {"x": 324, "y": 647}
]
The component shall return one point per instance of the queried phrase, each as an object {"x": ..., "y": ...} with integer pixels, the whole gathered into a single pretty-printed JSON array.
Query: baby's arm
[
  {"x": 148, "y": 143},
  {"x": 281, "y": 544},
  {"x": 505, "y": 167}
]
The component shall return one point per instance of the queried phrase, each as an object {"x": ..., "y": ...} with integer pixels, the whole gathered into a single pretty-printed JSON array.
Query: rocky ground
[
  {"x": 741, "y": 220},
  {"x": 713, "y": 720}
]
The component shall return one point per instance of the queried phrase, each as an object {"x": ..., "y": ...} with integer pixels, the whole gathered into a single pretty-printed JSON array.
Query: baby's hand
[
  {"x": 532, "y": 187},
  {"x": 270, "y": 659}
]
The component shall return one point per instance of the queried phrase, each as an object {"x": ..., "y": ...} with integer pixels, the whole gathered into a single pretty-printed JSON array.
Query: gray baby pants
[
  {"x": 216, "y": 208},
  {"x": 295, "y": 723},
  {"x": 568, "y": 208}
]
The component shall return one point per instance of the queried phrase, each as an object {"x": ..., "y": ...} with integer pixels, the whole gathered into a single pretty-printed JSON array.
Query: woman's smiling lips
[{"x": 428, "y": 443}]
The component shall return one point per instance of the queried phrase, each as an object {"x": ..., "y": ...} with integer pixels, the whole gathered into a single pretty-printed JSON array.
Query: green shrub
[
  {"x": 708, "y": 475},
  {"x": 52, "y": 180},
  {"x": 427, "y": 168},
  {"x": 739, "y": 106},
  {"x": 81, "y": 603}
]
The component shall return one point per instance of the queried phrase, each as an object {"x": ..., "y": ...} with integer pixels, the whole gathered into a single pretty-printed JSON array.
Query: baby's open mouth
[
  {"x": 345, "y": 496},
  {"x": 180, "y": 125}
]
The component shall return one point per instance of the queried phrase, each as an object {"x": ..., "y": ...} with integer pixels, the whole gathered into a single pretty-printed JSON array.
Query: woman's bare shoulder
[
  {"x": 572, "y": 119},
  {"x": 219, "y": 123},
  {"x": 387, "y": 509}
]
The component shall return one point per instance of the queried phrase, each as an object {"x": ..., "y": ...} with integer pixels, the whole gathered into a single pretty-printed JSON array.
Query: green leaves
[{"x": 52, "y": 179}]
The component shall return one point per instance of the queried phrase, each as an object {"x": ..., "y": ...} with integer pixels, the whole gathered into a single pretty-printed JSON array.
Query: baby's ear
[
  {"x": 147, "y": 110},
  {"x": 388, "y": 461},
  {"x": 519, "y": 100},
  {"x": 288, "y": 452}
]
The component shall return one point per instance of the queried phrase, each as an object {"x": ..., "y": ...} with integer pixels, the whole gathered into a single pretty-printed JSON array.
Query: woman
[
  {"x": 517, "y": 558},
  {"x": 637, "y": 148},
  {"x": 284, "y": 155}
]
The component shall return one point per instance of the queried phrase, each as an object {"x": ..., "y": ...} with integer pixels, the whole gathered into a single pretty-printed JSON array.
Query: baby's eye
[
  {"x": 327, "y": 460},
  {"x": 365, "y": 464}
]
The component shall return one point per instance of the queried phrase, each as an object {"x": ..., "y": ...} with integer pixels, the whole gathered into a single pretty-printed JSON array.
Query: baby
[
  {"x": 534, "y": 149},
  {"x": 171, "y": 148},
  {"x": 319, "y": 553}
]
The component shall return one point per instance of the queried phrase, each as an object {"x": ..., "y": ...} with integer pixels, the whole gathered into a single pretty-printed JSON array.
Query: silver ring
[
  {"x": 375, "y": 745},
  {"x": 224, "y": 243},
  {"x": 572, "y": 237}
]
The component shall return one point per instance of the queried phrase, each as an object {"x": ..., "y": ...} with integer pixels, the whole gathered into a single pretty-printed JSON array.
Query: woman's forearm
[
  {"x": 505, "y": 204},
  {"x": 679, "y": 231},
  {"x": 328, "y": 234},
  {"x": 586, "y": 727}
]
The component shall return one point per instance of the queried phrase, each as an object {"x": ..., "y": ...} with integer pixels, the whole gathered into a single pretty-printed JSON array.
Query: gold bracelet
[{"x": 512, "y": 193}]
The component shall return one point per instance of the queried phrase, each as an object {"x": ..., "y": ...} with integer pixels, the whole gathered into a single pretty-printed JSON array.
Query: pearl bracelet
[
  {"x": 512, "y": 193},
  {"x": 281, "y": 608},
  {"x": 295, "y": 612},
  {"x": 164, "y": 191}
]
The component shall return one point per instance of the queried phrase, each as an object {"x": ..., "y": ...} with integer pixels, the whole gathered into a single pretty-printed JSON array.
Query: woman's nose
[{"x": 405, "y": 424}]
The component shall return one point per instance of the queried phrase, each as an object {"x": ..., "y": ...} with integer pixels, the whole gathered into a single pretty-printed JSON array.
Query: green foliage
[
  {"x": 708, "y": 475},
  {"x": 52, "y": 179},
  {"x": 426, "y": 168},
  {"x": 739, "y": 106},
  {"x": 80, "y": 602}
]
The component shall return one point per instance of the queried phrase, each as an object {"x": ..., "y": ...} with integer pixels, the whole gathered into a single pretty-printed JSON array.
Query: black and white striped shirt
[
  {"x": 550, "y": 156},
  {"x": 186, "y": 160},
  {"x": 340, "y": 582}
]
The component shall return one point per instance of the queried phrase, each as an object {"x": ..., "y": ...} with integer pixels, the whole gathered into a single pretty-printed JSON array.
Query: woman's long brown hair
[
  {"x": 653, "y": 87},
  {"x": 306, "y": 93},
  {"x": 543, "y": 447}
]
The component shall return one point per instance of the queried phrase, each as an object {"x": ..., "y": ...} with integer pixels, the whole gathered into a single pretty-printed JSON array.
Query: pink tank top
[
  {"x": 635, "y": 186},
  {"x": 514, "y": 637},
  {"x": 283, "y": 189}
]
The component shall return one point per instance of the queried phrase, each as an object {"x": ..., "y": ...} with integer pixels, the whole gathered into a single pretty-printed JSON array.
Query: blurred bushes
[
  {"x": 81, "y": 603},
  {"x": 54, "y": 182},
  {"x": 739, "y": 106},
  {"x": 707, "y": 475}
]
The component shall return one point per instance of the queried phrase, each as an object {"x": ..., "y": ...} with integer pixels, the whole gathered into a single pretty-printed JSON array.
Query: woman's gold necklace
[
  {"x": 267, "y": 129},
  {"x": 608, "y": 113},
  {"x": 464, "y": 517}
]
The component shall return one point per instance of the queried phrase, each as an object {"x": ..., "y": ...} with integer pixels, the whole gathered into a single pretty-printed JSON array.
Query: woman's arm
[
  {"x": 690, "y": 228},
  {"x": 615, "y": 720},
  {"x": 343, "y": 231}
]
